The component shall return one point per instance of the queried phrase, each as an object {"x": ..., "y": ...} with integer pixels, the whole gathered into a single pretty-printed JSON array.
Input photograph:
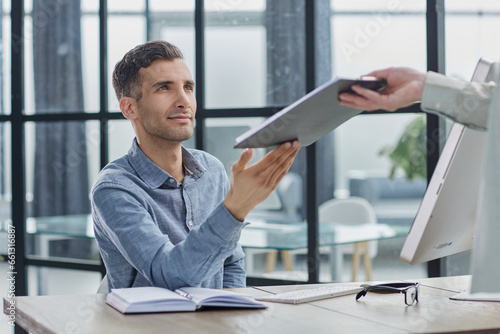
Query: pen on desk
[{"x": 184, "y": 294}]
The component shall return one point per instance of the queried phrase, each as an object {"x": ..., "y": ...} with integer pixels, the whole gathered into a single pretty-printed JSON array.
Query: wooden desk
[{"x": 373, "y": 313}]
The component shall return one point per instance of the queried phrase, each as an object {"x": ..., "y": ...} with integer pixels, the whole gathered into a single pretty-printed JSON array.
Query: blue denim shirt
[{"x": 153, "y": 231}]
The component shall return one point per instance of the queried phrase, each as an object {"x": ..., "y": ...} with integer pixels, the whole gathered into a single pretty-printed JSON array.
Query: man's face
[{"x": 167, "y": 108}]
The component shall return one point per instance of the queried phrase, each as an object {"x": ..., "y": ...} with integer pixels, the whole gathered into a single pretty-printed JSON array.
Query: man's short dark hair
[{"x": 126, "y": 78}]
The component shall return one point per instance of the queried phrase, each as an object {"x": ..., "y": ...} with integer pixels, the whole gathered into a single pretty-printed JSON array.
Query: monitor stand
[{"x": 477, "y": 296}]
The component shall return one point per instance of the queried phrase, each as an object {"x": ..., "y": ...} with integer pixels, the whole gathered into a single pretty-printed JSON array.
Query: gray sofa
[{"x": 396, "y": 201}]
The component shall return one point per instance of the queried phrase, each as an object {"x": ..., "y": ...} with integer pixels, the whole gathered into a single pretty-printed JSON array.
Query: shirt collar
[{"x": 154, "y": 176}]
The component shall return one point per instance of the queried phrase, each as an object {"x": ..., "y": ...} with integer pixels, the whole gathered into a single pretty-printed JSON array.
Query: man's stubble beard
[{"x": 172, "y": 135}]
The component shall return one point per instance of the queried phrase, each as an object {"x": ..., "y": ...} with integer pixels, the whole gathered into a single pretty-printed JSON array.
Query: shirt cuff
[
  {"x": 225, "y": 225},
  {"x": 437, "y": 86},
  {"x": 461, "y": 101}
]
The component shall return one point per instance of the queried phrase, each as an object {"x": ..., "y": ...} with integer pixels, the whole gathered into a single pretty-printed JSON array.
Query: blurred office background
[{"x": 60, "y": 122}]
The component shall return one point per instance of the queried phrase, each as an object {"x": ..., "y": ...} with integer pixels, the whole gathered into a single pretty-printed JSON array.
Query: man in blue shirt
[{"x": 165, "y": 215}]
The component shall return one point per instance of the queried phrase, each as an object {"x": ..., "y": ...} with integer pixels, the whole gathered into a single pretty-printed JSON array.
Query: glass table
[
  {"x": 262, "y": 236},
  {"x": 59, "y": 239}
]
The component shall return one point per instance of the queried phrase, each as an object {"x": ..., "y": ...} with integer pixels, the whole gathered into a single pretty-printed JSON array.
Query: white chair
[{"x": 352, "y": 211}]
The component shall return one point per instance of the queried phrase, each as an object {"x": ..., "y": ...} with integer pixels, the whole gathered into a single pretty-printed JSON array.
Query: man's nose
[{"x": 183, "y": 101}]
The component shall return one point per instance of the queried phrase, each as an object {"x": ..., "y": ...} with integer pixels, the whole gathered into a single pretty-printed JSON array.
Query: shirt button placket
[{"x": 189, "y": 217}]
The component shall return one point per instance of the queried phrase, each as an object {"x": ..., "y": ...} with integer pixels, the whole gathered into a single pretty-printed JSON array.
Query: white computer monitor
[{"x": 445, "y": 222}]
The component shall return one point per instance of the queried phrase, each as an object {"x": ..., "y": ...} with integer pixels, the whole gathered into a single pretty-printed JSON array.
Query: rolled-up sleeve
[{"x": 461, "y": 101}]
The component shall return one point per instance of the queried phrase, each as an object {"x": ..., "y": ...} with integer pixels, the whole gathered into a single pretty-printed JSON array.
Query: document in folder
[{"x": 309, "y": 118}]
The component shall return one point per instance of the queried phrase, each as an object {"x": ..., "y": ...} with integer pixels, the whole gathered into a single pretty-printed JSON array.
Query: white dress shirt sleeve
[{"x": 463, "y": 102}]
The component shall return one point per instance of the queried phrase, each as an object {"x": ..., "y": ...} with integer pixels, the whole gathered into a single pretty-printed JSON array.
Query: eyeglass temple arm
[{"x": 362, "y": 293}]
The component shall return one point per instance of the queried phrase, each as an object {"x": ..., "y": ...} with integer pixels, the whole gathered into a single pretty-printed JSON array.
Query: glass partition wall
[{"x": 62, "y": 122}]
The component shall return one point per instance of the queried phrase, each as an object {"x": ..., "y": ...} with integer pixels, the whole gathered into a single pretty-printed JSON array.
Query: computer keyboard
[{"x": 308, "y": 295}]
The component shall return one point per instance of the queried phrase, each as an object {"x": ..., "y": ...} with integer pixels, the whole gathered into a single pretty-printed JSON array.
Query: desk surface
[{"x": 373, "y": 313}]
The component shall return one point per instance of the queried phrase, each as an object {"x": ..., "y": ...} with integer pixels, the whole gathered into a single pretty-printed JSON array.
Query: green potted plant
[{"x": 409, "y": 154}]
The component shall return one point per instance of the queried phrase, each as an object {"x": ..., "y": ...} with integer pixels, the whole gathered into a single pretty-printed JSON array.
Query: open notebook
[{"x": 188, "y": 299}]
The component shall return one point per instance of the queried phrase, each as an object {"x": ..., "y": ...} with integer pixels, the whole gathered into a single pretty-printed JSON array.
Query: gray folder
[{"x": 309, "y": 118}]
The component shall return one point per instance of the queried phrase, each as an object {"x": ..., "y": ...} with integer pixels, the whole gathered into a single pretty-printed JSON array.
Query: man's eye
[
  {"x": 189, "y": 87},
  {"x": 162, "y": 88}
]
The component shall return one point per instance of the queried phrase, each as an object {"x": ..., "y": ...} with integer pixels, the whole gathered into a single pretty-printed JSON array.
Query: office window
[
  {"x": 370, "y": 35},
  {"x": 383, "y": 159},
  {"x": 173, "y": 21},
  {"x": 235, "y": 58},
  {"x": 125, "y": 31},
  {"x": 61, "y": 164},
  {"x": 57, "y": 69},
  {"x": 465, "y": 46},
  {"x": 5, "y": 185},
  {"x": 5, "y": 147},
  {"x": 121, "y": 134},
  {"x": 366, "y": 157},
  {"x": 90, "y": 55},
  {"x": 5, "y": 135},
  {"x": 364, "y": 145},
  {"x": 5, "y": 45},
  {"x": 126, "y": 5},
  {"x": 255, "y": 62},
  {"x": 365, "y": 36}
]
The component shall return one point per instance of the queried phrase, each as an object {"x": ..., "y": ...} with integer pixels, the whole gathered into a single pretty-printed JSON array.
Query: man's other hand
[{"x": 250, "y": 185}]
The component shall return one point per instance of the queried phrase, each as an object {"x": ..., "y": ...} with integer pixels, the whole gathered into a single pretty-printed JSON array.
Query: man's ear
[{"x": 128, "y": 107}]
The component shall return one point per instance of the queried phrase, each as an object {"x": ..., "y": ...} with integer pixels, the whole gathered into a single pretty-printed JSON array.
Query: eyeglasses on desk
[{"x": 410, "y": 290}]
